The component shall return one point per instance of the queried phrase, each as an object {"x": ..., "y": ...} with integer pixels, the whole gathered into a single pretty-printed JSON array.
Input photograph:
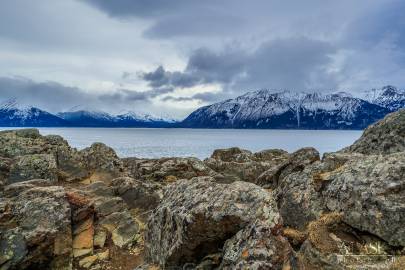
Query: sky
[{"x": 168, "y": 58}]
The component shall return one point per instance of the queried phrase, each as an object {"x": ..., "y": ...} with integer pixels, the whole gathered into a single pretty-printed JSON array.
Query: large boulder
[
  {"x": 385, "y": 137},
  {"x": 25, "y": 154},
  {"x": 370, "y": 193},
  {"x": 21, "y": 142},
  {"x": 167, "y": 170},
  {"x": 69, "y": 161},
  {"x": 295, "y": 162},
  {"x": 298, "y": 193},
  {"x": 236, "y": 164},
  {"x": 36, "y": 166},
  {"x": 196, "y": 216},
  {"x": 102, "y": 160},
  {"x": 35, "y": 229},
  {"x": 140, "y": 195}
]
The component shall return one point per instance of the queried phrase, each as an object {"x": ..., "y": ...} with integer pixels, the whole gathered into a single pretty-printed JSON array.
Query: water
[{"x": 200, "y": 143}]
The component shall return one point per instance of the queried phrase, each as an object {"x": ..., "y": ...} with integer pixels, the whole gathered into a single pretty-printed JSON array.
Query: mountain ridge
[
  {"x": 14, "y": 115},
  {"x": 260, "y": 109},
  {"x": 290, "y": 110}
]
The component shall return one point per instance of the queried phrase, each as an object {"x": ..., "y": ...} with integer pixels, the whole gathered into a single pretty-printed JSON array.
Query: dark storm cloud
[
  {"x": 297, "y": 63},
  {"x": 160, "y": 77}
]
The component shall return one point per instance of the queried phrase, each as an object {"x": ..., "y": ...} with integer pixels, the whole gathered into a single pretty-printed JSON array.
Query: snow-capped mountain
[
  {"x": 271, "y": 109},
  {"x": 389, "y": 97},
  {"x": 143, "y": 117},
  {"x": 84, "y": 118},
  {"x": 14, "y": 115},
  {"x": 257, "y": 109}
]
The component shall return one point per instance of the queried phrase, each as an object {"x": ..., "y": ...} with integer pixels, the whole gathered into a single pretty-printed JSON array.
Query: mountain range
[
  {"x": 292, "y": 110},
  {"x": 12, "y": 115},
  {"x": 265, "y": 109}
]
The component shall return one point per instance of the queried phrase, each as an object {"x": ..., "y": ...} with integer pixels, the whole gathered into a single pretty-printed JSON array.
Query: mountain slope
[
  {"x": 389, "y": 97},
  {"x": 266, "y": 109},
  {"x": 13, "y": 116},
  {"x": 83, "y": 118}
]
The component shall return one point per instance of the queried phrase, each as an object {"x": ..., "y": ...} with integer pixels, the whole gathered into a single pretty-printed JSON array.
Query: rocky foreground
[{"x": 66, "y": 209}]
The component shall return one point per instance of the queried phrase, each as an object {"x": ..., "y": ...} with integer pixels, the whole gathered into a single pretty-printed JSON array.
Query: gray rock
[
  {"x": 385, "y": 137},
  {"x": 298, "y": 194},
  {"x": 35, "y": 229},
  {"x": 298, "y": 200},
  {"x": 142, "y": 195},
  {"x": 196, "y": 216},
  {"x": 232, "y": 154},
  {"x": 312, "y": 258},
  {"x": 100, "y": 189},
  {"x": 296, "y": 162},
  {"x": 15, "y": 144},
  {"x": 36, "y": 166},
  {"x": 114, "y": 217},
  {"x": 236, "y": 164},
  {"x": 370, "y": 192},
  {"x": 125, "y": 231},
  {"x": 257, "y": 246},
  {"x": 103, "y": 160},
  {"x": 13, "y": 190},
  {"x": 69, "y": 161},
  {"x": 167, "y": 170},
  {"x": 20, "y": 142}
]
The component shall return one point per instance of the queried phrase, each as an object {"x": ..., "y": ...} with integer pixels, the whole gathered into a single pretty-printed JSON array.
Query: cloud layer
[{"x": 169, "y": 57}]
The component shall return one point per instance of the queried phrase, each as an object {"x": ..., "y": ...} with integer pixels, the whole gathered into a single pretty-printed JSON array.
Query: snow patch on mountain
[
  {"x": 389, "y": 97},
  {"x": 287, "y": 109}
]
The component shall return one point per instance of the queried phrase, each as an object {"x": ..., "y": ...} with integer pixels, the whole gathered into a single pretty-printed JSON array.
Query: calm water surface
[{"x": 155, "y": 143}]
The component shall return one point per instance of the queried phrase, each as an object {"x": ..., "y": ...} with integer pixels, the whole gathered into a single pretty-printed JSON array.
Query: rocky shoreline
[{"x": 61, "y": 208}]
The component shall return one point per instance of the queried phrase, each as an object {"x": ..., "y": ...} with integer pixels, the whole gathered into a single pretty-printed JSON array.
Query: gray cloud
[
  {"x": 237, "y": 18},
  {"x": 385, "y": 23},
  {"x": 170, "y": 98},
  {"x": 296, "y": 63},
  {"x": 55, "y": 97},
  {"x": 125, "y": 95},
  {"x": 48, "y": 95},
  {"x": 140, "y": 8},
  {"x": 210, "y": 97},
  {"x": 160, "y": 77},
  {"x": 237, "y": 45}
]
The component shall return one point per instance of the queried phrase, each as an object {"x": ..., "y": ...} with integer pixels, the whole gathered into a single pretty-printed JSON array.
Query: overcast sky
[{"x": 168, "y": 57}]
